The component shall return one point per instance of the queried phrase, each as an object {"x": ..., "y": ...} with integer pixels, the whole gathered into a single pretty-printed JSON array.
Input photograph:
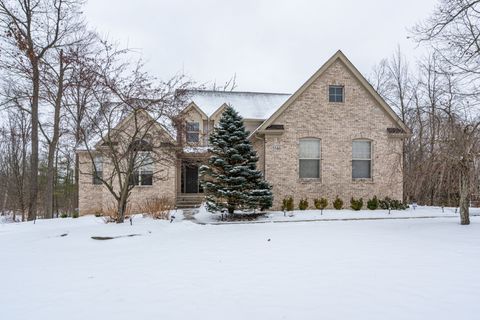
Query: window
[
  {"x": 309, "y": 158},
  {"x": 143, "y": 175},
  {"x": 335, "y": 93},
  {"x": 193, "y": 131},
  {"x": 97, "y": 169},
  {"x": 361, "y": 159}
]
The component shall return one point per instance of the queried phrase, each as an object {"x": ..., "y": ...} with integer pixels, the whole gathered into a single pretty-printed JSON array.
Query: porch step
[{"x": 185, "y": 201}]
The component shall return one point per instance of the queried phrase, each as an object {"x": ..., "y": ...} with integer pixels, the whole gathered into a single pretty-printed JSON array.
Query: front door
[{"x": 191, "y": 178}]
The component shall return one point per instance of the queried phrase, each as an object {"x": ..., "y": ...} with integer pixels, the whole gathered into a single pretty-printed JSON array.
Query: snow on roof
[
  {"x": 250, "y": 105},
  {"x": 195, "y": 149}
]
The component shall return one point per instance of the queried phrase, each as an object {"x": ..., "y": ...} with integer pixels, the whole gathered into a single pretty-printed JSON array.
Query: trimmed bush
[
  {"x": 64, "y": 215},
  {"x": 75, "y": 215},
  {"x": 303, "y": 204},
  {"x": 356, "y": 204},
  {"x": 392, "y": 204},
  {"x": 372, "y": 204},
  {"x": 287, "y": 204},
  {"x": 320, "y": 204},
  {"x": 385, "y": 203},
  {"x": 338, "y": 203}
]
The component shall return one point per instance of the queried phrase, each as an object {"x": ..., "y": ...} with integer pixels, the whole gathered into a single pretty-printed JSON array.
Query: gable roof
[
  {"x": 337, "y": 56},
  {"x": 250, "y": 105},
  {"x": 193, "y": 105},
  {"x": 120, "y": 120}
]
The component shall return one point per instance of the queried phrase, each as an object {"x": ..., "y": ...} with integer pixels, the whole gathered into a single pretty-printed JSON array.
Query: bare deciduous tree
[{"x": 32, "y": 29}]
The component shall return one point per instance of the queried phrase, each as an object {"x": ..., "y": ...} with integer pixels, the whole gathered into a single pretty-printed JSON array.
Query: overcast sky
[{"x": 271, "y": 46}]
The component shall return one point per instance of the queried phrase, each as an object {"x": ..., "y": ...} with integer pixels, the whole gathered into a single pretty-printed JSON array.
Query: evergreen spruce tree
[{"x": 231, "y": 180}]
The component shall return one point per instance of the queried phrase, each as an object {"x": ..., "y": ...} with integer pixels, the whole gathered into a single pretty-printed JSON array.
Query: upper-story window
[
  {"x": 362, "y": 159},
  {"x": 309, "y": 158},
  {"x": 193, "y": 131},
  {"x": 336, "y": 93},
  {"x": 97, "y": 169}
]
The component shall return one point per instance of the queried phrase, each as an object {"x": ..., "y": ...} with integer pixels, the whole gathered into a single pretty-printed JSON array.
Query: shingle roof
[{"x": 250, "y": 105}]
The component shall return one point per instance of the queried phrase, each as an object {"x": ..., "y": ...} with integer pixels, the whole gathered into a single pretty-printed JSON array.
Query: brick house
[{"x": 334, "y": 136}]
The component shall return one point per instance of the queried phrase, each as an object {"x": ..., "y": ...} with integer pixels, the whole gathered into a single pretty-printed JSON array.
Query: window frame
[
  {"x": 97, "y": 175},
  {"x": 336, "y": 86},
  {"x": 370, "y": 159},
  {"x": 319, "y": 159},
  {"x": 188, "y": 132},
  {"x": 137, "y": 176}
]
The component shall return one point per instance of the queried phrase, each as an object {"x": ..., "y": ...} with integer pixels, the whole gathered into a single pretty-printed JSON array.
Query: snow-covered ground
[
  {"x": 374, "y": 269},
  {"x": 346, "y": 214}
]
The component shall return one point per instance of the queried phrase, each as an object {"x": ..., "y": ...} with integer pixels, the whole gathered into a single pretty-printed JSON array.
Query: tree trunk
[
  {"x": 464, "y": 196},
  {"x": 52, "y": 147},
  {"x": 32, "y": 206},
  {"x": 121, "y": 207}
]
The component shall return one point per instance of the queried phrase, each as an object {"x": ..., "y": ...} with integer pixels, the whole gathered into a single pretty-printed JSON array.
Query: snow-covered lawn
[
  {"x": 378, "y": 269},
  {"x": 308, "y": 215}
]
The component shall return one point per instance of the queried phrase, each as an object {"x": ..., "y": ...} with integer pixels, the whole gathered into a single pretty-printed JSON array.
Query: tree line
[
  {"x": 437, "y": 96},
  {"x": 63, "y": 86}
]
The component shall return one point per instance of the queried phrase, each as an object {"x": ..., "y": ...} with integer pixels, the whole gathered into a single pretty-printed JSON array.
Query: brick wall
[{"x": 336, "y": 124}]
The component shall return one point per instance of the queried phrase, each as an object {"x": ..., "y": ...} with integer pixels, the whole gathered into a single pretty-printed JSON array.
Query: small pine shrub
[
  {"x": 287, "y": 204},
  {"x": 372, "y": 204},
  {"x": 75, "y": 215},
  {"x": 64, "y": 215},
  {"x": 356, "y": 204},
  {"x": 320, "y": 204},
  {"x": 385, "y": 203},
  {"x": 303, "y": 204},
  {"x": 338, "y": 203},
  {"x": 392, "y": 204}
]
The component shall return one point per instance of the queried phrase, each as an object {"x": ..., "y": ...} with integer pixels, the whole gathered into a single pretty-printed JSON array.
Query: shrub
[
  {"x": 98, "y": 214},
  {"x": 392, "y": 204},
  {"x": 110, "y": 213},
  {"x": 157, "y": 208},
  {"x": 338, "y": 203},
  {"x": 287, "y": 204},
  {"x": 385, "y": 203},
  {"x": 64, "y": 215},
  {"x": 303, "y": 204},
  {"x": 320, "y": 204},
  {"x": 75, "y": 215},
  {"x": 372, "y": 204},
  {"x": 356, "y": 204}
]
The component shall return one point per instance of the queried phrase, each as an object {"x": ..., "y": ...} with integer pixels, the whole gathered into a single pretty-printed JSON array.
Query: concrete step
[{"x": 185, "y": 201}]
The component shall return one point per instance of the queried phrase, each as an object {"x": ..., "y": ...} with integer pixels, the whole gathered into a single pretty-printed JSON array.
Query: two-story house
[{"x": 334, "y": 136}]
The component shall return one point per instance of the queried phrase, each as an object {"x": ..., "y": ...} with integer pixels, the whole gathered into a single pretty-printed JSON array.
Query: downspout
[{"x": 264, "y": 155}]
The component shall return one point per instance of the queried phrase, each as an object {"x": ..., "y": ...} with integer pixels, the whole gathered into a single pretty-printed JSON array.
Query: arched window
[
  {"x": 143, "y": 167},
  {"x": 141, "y": 145},
  {"x": 361, "y": 159},
  {"x": 143, "y": 170},
  {"x": 309, "y": 158}
]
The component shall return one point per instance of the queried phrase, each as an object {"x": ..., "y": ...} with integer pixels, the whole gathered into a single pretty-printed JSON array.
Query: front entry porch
[{"x": 190, "y": 194}]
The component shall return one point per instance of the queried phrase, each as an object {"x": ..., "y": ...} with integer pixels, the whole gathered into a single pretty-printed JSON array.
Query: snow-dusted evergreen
[{"x": 231, "y": 180}]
